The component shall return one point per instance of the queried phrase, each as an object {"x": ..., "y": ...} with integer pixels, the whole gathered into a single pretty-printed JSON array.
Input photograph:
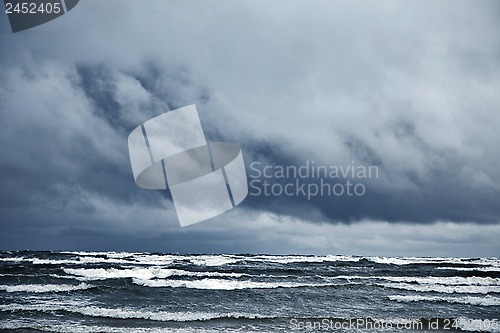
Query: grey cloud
[{"x": 410, "y": 87}]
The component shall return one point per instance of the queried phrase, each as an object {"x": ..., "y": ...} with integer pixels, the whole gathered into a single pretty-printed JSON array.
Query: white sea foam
[
  {"x": 219, "y": 284},
  {"x": 412, "y": 260},
  {"x": 154, "y": 277},
  {"x": 456, "y": 284},
  {"x": 432, "y": 280},
  {"x": 107, "y": 254},
  {"x": 470, "y": 300},
  {"x": 401, "y": 261},
  {"x": 154, "y": 315},
  {"x": 444, "y": 289},
  {"x": 158, "y": 260},
  {"x": 13, "y": 259},
  {"x": 139, "y": 273},
  {"x": 77, "y": 261},
  {"x": 97, "y": 258},
  {"x": 219, "y": 260},
  {"x": 43, "y": 288},
  {"x": 162, "y": 260},
  {"x": 224, "y": 259},
  {"x": 77, "y": 327},
  {"x": 479, "y": 269},
  {"x": 302, "y": 259},
  {"x": 214, "y": 260}
]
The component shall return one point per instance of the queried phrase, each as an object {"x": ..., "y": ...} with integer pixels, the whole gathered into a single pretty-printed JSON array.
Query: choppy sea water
[{"x": 145, "y": 292}]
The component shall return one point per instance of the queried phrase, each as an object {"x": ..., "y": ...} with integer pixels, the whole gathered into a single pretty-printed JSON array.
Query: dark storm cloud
[{"x": 410, "y": 88}]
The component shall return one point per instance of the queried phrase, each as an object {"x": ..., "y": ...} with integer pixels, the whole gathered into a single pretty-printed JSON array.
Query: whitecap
[
  {"x": 219, "y": 284},
  {"x": 469, "y": 300},
  {"x": 43, "y": 288},
  {"x": 124, "y": 313},
  {"x": 140, "y": 273}
]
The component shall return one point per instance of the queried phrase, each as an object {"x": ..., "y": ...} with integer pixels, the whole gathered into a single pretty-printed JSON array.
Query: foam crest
[
  {"x": 219, "y": 284},
  {"x": 469, "y": 300},
  {"x": 138, "y": 273},
  {"x": 95, "y": 311},
  {"x": 44, "y": 288}
]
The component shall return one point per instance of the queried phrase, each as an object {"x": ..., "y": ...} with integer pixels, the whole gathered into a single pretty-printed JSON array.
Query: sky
[{"x": 409, "y": 87}]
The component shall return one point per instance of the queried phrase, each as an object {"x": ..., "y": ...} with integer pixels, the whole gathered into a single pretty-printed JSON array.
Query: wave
[
  {"x": 433, "y": 280},
  {"x": 403, "y": 261},
  {"x": 468, "y": 300},
  {"x": 449, "y": 285},
  {"x": 464, "y": 324},
  {"x": 219, "y": 260},
  {"x": 292, "y": 259},
  {"x": 227, "y": 259},
  {"x": 75, "y": 327},
  {"x": 158, "y": 272},
  {"x": 219, "y": 284},
  {"x": 159, "y": 277},
  {"x": 78, "y": 261},
  {"x": 44, "y": 288},
  {"x": 111, "y": 254},
  {"x": 95, "y": 311},
  {"x": 89, "y": 274},
  {"x": 479, "y": 269},
  {"x": 444, "y": 289}
]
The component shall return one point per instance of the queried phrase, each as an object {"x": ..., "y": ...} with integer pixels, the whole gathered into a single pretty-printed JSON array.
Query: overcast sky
[{"x": 411, "y": 87}]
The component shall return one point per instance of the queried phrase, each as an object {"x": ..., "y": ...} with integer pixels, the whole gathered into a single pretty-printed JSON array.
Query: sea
[{"x": 155, "y": 292}]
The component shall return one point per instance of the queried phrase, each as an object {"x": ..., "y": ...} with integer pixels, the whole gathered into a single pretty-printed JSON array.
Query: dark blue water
[{"x": 141, "y": 292}]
